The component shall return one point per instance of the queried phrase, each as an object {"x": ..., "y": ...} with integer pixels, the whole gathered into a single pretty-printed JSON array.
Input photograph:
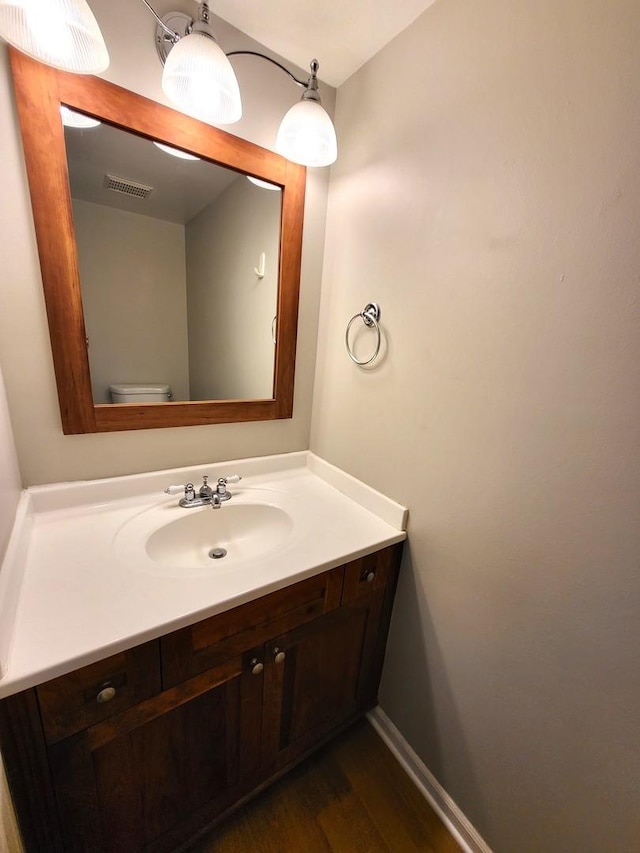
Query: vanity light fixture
[
  {"x": 199, "y": 80},
  {"x": 306, "y": 134},
  {"x": 197, "y": 77},
  {"x": 60, "y": 33}
]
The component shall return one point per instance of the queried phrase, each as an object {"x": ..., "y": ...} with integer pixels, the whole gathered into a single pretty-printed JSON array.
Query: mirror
[
  {"x": 178, "y": 267},
  {"x": 210, "y": 332}
]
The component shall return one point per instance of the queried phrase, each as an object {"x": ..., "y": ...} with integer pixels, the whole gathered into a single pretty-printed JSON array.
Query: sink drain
[{"x": 217, "y": 553}]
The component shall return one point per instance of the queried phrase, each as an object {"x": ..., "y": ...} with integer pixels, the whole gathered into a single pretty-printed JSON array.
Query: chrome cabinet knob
[
  {"x": 370, "y": 576},
  {"x": 106, "y": 694},
  {"x": 278, "y": 655},
  {"x": 256, "y": 666}
]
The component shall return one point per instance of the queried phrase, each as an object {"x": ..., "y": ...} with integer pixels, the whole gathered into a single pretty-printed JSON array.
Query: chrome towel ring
[{"x": 370, "y": 315}]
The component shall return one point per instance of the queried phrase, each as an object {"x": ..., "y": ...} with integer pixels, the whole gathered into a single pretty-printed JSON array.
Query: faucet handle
[
  {"x": 221, "y": 489},
  {"x": 188, "y": 491},
  {"x": 174, "y": 490}
]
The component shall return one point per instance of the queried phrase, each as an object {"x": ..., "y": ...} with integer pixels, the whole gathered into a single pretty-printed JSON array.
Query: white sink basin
[
  {"x": 243, "y": 531},
  {"x": 97, "y": 567},
  {"x": 171, "y": 541}
]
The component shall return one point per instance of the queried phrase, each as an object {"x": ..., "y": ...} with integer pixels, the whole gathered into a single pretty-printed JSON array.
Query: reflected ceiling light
[
  {"x": 60, "y": 33},
  {"x": 265, "y": 185},
  {"x": 71, "y": 118},
  {"x": 175, "y": 152}
]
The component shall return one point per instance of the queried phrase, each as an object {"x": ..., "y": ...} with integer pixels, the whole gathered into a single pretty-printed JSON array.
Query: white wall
[
  {"x": 45, "y": 454},
  {"x": 230, "y": 309},
  {"x": 134, "y": 295},
  {"x": 487, "y": 195}
]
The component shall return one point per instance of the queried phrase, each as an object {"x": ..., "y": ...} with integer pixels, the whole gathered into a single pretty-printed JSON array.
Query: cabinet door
[
  {"x": 148, "y": 777},
  {"x": 318, "y": 677}
]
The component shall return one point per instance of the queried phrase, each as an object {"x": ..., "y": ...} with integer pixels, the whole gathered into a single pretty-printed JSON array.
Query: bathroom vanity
[{"x": 194, "y": 711}]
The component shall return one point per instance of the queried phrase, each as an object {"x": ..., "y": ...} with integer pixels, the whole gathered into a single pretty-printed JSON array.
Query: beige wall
[
  {"x": 487, "y": 195},
  {"x": 134, "y": 295},
  {"x": 45, "y": 454},
  {"x": 10, "y": 484},
  {"x": 230, "y": 309}
]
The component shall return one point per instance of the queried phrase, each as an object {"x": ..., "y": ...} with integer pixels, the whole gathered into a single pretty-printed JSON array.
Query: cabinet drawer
[
  {"x": 371, "y": 573},
  {"x": 192, "y": 650},
  {"x": 92, "y": 694}
]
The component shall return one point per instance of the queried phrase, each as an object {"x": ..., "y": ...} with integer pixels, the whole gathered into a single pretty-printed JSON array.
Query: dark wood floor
[{"x": 351, "y": 797}]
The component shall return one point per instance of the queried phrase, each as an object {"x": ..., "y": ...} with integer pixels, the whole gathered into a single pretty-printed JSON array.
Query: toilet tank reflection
[{"x": 131, "y": 392}]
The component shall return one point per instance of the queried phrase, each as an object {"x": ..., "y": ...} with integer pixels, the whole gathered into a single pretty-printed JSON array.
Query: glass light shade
[
  {"x": 199, "y": 80},
  {"x": 307, "y": 136},
  {"x": 71, "y": 118},
  {"x": 60, "y": 33}
]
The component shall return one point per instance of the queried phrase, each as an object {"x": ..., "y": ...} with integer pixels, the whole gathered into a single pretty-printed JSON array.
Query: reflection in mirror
[
  {"x": 40, "y": 92},
  {"x": 169, "y": 251}
]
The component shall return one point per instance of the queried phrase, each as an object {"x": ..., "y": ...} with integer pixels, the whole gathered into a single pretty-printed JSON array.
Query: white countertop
[{"x": 75, "y": 587}]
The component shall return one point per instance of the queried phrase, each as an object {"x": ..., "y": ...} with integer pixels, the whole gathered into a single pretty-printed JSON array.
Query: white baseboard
[{"x": 451, "y": 815}]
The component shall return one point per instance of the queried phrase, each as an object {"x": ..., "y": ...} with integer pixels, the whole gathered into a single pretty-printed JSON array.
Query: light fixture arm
[
  {"x": 310, "y": 85},
  {"x": 201, "y": 24},
  {"x": 173, "y": 35},
  {"x": 269, "y": 59}
]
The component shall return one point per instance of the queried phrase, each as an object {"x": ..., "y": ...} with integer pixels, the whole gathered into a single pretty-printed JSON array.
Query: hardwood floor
[{"x": 350, "y": 797}]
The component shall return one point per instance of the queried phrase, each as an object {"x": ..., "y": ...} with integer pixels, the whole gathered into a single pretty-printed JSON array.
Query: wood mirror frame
[{"x": 39, "y": 92}]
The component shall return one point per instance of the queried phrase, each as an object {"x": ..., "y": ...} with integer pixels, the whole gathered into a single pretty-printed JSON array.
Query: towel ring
[{"x": 370, "y": 316}]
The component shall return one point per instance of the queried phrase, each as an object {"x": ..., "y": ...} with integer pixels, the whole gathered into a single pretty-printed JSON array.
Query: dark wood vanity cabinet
[
  {"x": 161, "y": 768},
  {"x": 142, "y": 750}
]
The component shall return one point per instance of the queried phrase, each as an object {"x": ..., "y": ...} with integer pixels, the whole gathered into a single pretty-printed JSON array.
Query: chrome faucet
[
  {"x": 205, "y": 491},
  {"x": 205, "y": 495}
]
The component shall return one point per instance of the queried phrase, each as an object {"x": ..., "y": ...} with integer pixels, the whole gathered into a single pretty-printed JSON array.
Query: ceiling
[
  {"x": 341, "y": 35},
  {"x": 180, "y": 189}
]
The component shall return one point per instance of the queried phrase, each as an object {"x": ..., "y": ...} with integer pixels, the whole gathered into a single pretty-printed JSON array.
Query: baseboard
[{"x": 451, "y": 815}]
